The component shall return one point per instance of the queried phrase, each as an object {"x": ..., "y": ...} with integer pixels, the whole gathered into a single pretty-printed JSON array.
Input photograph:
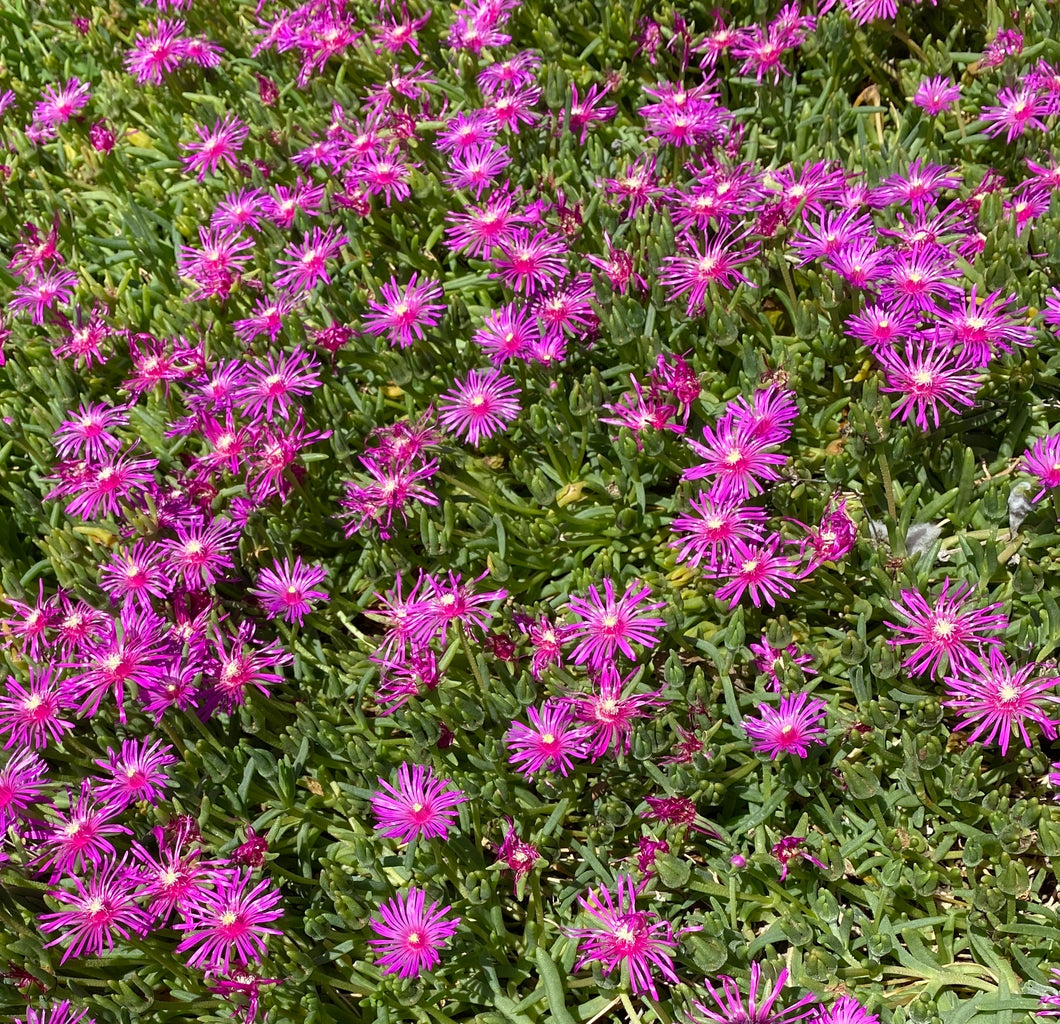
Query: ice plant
[
  {"x": 405, "y": 313},
  {"x": 100, "y": 911},
  {"x": 229, "y": 924},
  {"x": 620, "y": 935},
  {"x": 409, "y": 933},
  {"x": 551, "y": 741},
  {"x": 945, "y": 633},
  {"x": 288, "y": 588},
  {"x": 607, "y": 624},
  {"x": 997, "y": 701},
  {"x": 729, "y": 1007},
  {"x": 419, "y": 805},
  {"x": 790, "y": 728},
  {"x": 480, "y": 405}
]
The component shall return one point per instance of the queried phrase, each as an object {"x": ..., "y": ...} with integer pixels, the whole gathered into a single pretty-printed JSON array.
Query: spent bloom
[
  {"x": 409, "y": 933},
  {"x": 420, "y": 805},
  {"x": 790, "y": 728},
  {"x": 621, "y": 934},
  {"x": 996, "y": 701}
]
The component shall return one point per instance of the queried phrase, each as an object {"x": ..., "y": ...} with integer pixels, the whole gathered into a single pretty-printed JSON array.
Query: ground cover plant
[{"x": 529, "y": 512}]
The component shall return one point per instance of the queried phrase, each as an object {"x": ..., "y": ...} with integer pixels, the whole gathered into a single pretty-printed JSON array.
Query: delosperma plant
[{"x": 527, "y": 512}]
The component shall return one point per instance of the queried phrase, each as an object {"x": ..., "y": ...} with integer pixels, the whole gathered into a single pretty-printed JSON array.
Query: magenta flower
[
  {"x": 608, "y": 625},
  {"x": 945, "y": 630},
  {"x": 102, "y": 487},
  {"x": 59, "y": 103},
  {"x": 480, "y": 405},
  {"x": 610, "y": 710},
  {"x": 99, "y": 911},
  {"x": 44, "y": 291},
  {"x": 137, "y": 773},
  {"x": 999, "y": 700},
  {"x": 217, "y": 146},
  {"x": 847, "y": 1010},
  {"x": 737, "y": 457},
  {"x": 621, "y": 934},
  {"x": 33, "y": 716},
  {"x": 22, "y": 782},
  {"x": 158, "y": 53},
  {"x": 230, "y": 923},
  {"x": 791, "y": 728},
  {"x": 57, "y": 1013},
  {"x": 287, "y": 589},
  {"x": 305, "y": 265},
  {"x": 201, "y": 551},
  {"x": 406, "y": 311},
  {"x": 1043, "y": 461},
  {"x": 510, "y": 332},
  {"x": 551, "y": 740},
  {"x": 173, "y": 880},
  {"x": 87, "y": 433},
  {"x": 936, "y": 95},
  {"x": 758, "y": 570},
  {"x": 420, "y": 805},
  {"x": 730, "y": 1005},
  {"x": 136, "y": 575},
  {"x": 271, "y": 388},
  {"x": 716, "y": 262},
  {"x": 410, "y": 934},
  {"x": 235, "y": 668},
  {"x": 476, "y": 167},
  {"x": 771, "y": 661},
  {"x": 441, "y": 603},
  {"x": 80, "y": 835},
  {"x": 927, "y": 375},
  {"x": 1017, "y": 110},
  {"x": 517, "y": 856},
  {"x": 531, "y": 264}
]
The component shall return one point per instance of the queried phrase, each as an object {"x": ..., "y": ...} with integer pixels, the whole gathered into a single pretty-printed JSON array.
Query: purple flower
[
  {"x": 287, "y": 589},
  {"x": 1043, "y": 461},
  {"x": 609, "y": 624},
  {"x": 22, "y": 782},
  {"x": 80, "y": 835},
  {"x": 758, "y": 570},
  {"x": 791, "y": 728},
  {"x": 936, "y": 94},
  {"x": 137, "y": 773},
  {"x": 999, "y": 700},
  {"x": 100, "y": 910},
  {"x": 551, "y": 740},
  {"x": 216, "y": 146},
  {"x": 230, "y": 922},
  {"x": 480, "y": 405},
  {"x": 420, "y": 805},
  {"x": 730, "y": 1005},
  {"x": 946, "y": 629},
  {"x": 410, "y": 934},
  {"x": 622, "y": 934},
  {"x": 405, "y": 312}
]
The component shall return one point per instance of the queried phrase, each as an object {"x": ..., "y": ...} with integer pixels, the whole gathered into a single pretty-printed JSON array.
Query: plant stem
[
  {"x": 897, "y": 543},
  {"x": 472, "y": 661}
]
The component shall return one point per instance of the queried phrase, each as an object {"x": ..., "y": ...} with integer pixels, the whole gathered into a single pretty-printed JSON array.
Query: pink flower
[
  {"x": 157, "y": 54},
  {"x": 480, "y": 405},
  {"x": 80, "y": 835},
  {"x": 946, "y": 630},
  {"x": 998, "y": 700},
  {"x": 59, "y": 104},
  {"x": 57, "y": 1013},
  {"x": 229, "y": 923},
  {"x": 1043, "y": 461},
  {"x": 929, "y": 375},
  {"x": 610, "y": 713},
  {"x": 847, "y": 1010},
  {"x": 716, "y": 262},
  {"x": 405, "y": 312},
  {"x": 609, "y": 625},
  {"x": 620, "y": 934},
  {"x": 737, "y": 456},
  {"x": 791, "y": 728},
  {"x": 104, "y": 485},
  {"x": 731, "y": 1006},
  {"x": 518, "y": 857},
  {"x": 758, "y": 570},
  {"x": 287, "y": 589},
  {"x": 420, "y": 805},
  {"x": 217, "y": 146},
  {"x": 22, "y": 782},
  {"x": 87, "y": 434},
  {"x": 936, "y": 94},
  {"x": 32, "y": 716},
  {"x": 100, "y": 910},
  {"x": 201, "y": 551},
  {"x": 531, "y": 264},
  {"x": 550, "y": 741},
  {"x": 174, "y": 879},
  {"x": 41, "y": 293},
  {"x": 271, "y": 388},
  {"x": 137, "y": 773},
  {"x": 305, "y": 265},
  {"x": 410, "y": 934}
]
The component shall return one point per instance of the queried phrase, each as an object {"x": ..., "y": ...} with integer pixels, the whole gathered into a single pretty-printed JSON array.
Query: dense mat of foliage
[{"x": 529, "y": 512}]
